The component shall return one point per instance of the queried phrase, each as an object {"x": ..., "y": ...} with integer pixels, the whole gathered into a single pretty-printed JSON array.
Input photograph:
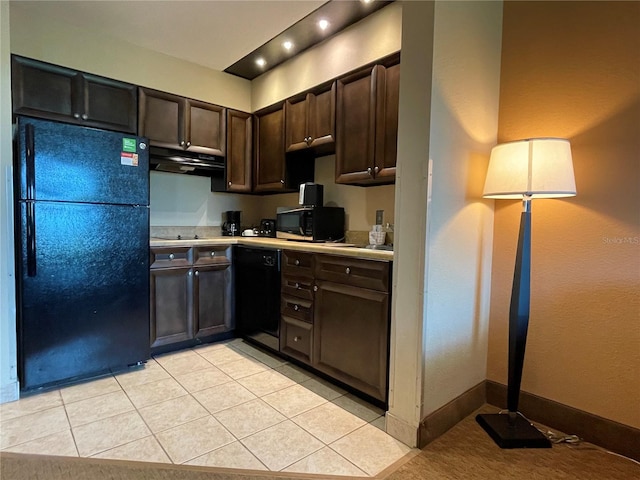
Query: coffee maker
[{"x": 231, "y": 223}]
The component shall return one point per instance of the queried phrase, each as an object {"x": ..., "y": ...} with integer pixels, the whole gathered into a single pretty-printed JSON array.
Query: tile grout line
[
  {"x": 245, "y": 354},
  {"x": 205, "y": 408},
  {"x": 73, "y": 437}
]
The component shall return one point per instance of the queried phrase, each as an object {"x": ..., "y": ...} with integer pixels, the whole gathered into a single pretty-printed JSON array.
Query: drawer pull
[
  {"x": 213, "y": 254},
  {"x": 315, "y": 288},
  {"x": 347, "y": 271},
  {"x": 297, "y": 285},
  {"x": 296, "y": 307},
  {"x": 296, "y": 262},
  {"x": 197, "y": 273},
  {"x": 296, "y": 338},
  {"x": 171, "y": 256}
]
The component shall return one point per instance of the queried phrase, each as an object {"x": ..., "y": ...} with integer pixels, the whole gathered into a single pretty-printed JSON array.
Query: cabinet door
[
  {"x": 44, "y": 90},
  {"x": 355, "y": 126},
  {"x": 171, "y": 306},
  {"x": 161, "y": 118},
  {"x": 322, "y": 119},
  {"x": 239, "y": 143},
  {"x": 297, "y": 129},
  {"x": 269, "y": 172},
  {"x": 387, "y": 123},
  {"x": 205, "y": 128},
  {"x": 351, "y": 336},
  {"x": 109, "y": 104},
  {"x": 212, "y": 300}
]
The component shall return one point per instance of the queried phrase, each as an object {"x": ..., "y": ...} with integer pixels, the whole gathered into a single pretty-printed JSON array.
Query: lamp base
[{"x": 519, "y": 434}]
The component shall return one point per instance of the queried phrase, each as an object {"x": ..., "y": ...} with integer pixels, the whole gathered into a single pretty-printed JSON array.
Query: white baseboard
[
  {"x": 9, "y": 392},
  {"x": 401, "y": 430}
]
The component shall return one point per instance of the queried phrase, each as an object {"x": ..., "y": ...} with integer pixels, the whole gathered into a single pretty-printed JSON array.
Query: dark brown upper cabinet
[
  {"x": 56, "y": 93},
  {"x": 310, "y": 119},
  {"x": 269, "y": 166},
  {"x": 175, "y": 122},
  {"x": 367, "y": 125},
  {"x": 239, "y": 152}
]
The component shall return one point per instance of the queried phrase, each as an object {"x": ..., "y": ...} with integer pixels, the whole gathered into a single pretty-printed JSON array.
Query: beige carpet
[{"x": 465, "y": 452}]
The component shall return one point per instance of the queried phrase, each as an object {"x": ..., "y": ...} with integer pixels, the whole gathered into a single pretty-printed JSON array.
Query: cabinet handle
[
  {"x": 213, "y": 254},
  {"x": 296, "y": 262},
  {"x": 282, "y": 182},
  {"x": 296, "y": 307},
  {"x": 190, "y": 273},
  {"x": 315, "y": 288},
  {"x": 375, "y": 170},
  {"x": 84, "y": 116},
  {"x": 197, "y": 273},
  {"x": 297, "y": 285},
  {"x": 182, "y": 143},
  {"x": 171, "y": 256},
  {"x": 347, "y": 270},
  {"x": 369, "y": 170},
  {"x": 188, "y": 144},
  {"x": 76, "y": 115},
  {"x": 296, "y": 338},
  {"x": 229, "y": 184}
]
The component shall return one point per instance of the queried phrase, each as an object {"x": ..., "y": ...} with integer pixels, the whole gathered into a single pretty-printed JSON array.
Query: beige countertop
[{"x": 345, "y": 249}]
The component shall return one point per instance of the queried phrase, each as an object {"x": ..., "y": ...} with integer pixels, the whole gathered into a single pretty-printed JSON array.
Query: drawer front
[
  {"x": 357, "y": 272},
  {"x": 212, "y": 255},
  {"x": 297, "y": 263},
  {"x": 296, "y": 339},
  {"x": 301, "y": 287},
  {"x": 297, "y": 308},
  {"x": 170, "y": 257}
]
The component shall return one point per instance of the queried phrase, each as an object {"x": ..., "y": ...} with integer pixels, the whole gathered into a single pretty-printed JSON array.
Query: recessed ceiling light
[
  {"x": 323, "y": 24},
  {"x": 261, "y": 62},
  {"x": 367, "y": 1},
  {"x": 288, "y": 45}
]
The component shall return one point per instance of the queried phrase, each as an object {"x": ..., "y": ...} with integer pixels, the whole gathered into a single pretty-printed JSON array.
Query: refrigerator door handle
[
  {"x": 30, "y": 197},
  {"x": 31, "y": 239},
  {"x": 31, "y": 162}
]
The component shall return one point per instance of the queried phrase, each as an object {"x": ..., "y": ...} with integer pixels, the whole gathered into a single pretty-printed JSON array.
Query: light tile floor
[{"x": 224, "y": 405}]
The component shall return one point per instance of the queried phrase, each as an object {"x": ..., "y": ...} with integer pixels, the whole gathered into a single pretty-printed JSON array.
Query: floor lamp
[{"x": 525, "y": 169}]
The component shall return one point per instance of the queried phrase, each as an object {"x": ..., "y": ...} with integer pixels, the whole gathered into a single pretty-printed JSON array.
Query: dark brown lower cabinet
[
  {"x": 351, "y": 336},
  {"x": 335, "y": 316},
  {"x": 191, "y": 291}
]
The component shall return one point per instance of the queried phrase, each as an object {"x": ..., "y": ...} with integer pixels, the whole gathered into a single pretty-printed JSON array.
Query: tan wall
[
  {"x": 572, "y": 69},
  {"x": 464, "y": 125},
  {"x": 371, "y": 38},
  {"x": 64, "y": 44}
]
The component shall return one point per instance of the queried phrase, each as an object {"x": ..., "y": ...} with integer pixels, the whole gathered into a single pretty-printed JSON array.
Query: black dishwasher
[{"x": 257, "y": 289}]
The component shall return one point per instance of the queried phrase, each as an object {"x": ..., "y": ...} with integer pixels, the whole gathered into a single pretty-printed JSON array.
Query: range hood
[{"x": 180, "y": 161}]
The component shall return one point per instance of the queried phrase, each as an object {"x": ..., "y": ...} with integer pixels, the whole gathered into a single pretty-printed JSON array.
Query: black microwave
[{"x": 311, "y": 224}]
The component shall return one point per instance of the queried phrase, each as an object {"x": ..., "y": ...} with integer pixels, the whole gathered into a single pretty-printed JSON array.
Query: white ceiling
[{"x": 213, "y": 33}]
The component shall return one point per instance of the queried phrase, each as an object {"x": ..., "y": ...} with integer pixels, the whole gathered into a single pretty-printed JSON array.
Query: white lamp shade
[{"x": 537, "y": 168}]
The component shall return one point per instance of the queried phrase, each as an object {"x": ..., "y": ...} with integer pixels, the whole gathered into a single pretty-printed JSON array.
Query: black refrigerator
[{"x": 82, "y": 251}]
